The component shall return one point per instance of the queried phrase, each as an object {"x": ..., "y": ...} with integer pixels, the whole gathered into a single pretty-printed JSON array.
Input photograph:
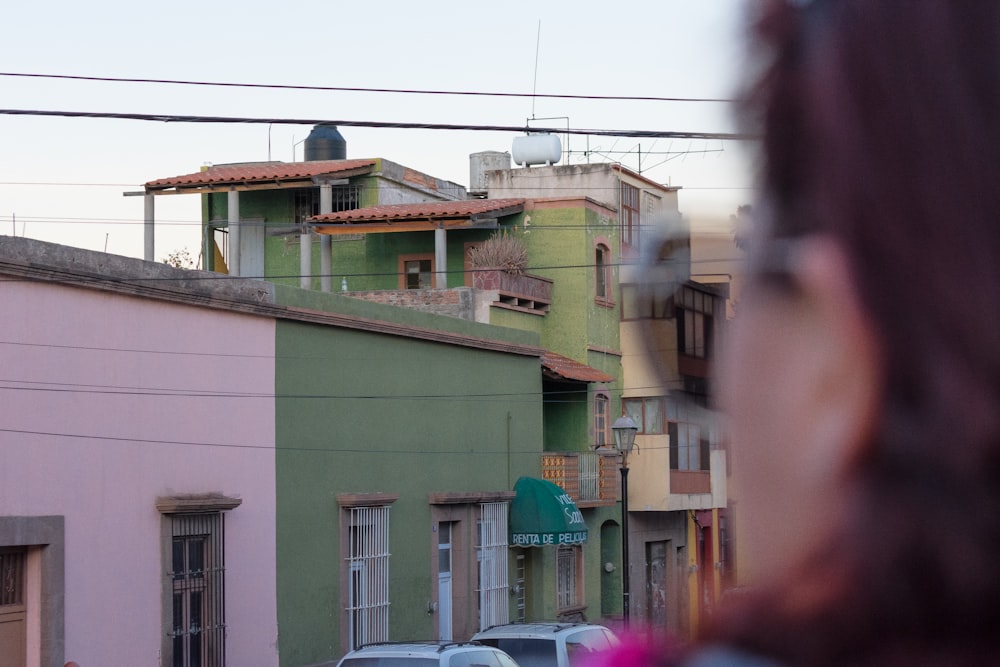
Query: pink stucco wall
[{"x": 106, "y": 403}]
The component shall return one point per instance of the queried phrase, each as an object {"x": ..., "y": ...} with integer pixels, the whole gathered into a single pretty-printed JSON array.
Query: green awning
[{"x": 543, "y": 513}]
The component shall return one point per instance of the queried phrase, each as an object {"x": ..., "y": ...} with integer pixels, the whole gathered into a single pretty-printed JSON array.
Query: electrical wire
[
  {"x": 282, "y": 448},
  {"x": 347, "y": 89},
  {"x": 198, "y": 275},
  {"x": 182, "y": 118}
]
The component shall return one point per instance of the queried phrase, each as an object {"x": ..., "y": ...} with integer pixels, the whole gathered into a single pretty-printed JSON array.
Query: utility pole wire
[
  {"x": 401, "y": 91},
  {"x": 180, "y": 118}
]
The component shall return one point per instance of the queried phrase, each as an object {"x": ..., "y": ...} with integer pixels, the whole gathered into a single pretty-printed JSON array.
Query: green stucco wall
[
  {"x": 566, "y": 419},
  {"x": 561, "y": 246},
  {"x": 358, "y": 412}
]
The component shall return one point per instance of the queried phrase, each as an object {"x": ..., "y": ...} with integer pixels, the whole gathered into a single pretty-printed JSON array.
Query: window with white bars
[
  {"x": 196, "y": 584},
  {"x": 368, "y": 575},
  {"x": 569, "y": 578},
  {"x": 589, "y": 471},
  {"x": 521, "y": 577},
  {"x": 491, "y": 552}
]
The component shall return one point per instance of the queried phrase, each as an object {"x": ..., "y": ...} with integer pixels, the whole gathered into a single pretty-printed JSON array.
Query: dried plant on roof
[{"x": 502, "y": 251}]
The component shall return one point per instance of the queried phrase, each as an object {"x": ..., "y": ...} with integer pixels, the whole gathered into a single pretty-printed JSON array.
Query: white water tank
[{"x": 536, "y": 149}]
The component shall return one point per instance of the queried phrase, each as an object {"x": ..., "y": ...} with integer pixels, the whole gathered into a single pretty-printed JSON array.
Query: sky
[{"x": 63, "y": 179}]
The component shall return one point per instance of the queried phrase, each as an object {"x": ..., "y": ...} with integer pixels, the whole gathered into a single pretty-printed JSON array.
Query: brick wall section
[{"x": 454, "y": 302}]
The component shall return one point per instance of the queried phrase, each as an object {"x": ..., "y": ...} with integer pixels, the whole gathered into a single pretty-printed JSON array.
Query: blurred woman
[{"x": 861, "y": 376}]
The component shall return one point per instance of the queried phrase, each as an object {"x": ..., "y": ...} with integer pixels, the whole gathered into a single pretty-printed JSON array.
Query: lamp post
[{"x": 624, "y": 429}]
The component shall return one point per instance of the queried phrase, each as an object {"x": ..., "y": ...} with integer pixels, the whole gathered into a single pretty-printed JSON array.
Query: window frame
[
  {"x": 492, "y": 559},
  {"x": 642, "y": 417},
  {"x": 570, "y": 595},
  {"x": 191, "y": 516},
  {"x": 404, "y": 275},
  {"x": 630, "y": 215},
  {"x": 366, "y": 561},
  {"x": 694, "y": 454},
  {"x": 639, "y": 303},
  {"x": 602, "y": 419},
  {"x": 695, "y": 312},
  {"x": 464, "y": 511},
  {"x": 603, "y": 286},
  {"x": 45, "y": 540}
]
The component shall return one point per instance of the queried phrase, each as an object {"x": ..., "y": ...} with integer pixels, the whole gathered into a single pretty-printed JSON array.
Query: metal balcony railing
[{"x": 590, "y": 478}]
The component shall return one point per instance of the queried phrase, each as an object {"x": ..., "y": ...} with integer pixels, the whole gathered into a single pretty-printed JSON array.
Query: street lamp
[{"x": 624, "y": 430}]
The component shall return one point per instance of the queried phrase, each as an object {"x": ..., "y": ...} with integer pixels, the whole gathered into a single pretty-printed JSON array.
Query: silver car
[
  {"x": 427, "y": 654},
  {"x": 555, "y": 644}
]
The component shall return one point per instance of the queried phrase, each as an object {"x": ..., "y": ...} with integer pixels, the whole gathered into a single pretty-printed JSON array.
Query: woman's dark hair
[{"x": 881, "y": 128}]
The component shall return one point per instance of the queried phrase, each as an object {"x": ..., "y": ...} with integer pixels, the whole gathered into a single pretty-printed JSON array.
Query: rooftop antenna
[{"x": 534, "y": 85}]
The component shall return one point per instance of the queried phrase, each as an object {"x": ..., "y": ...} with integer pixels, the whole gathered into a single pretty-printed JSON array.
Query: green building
[{"x": 398, "y": 449}]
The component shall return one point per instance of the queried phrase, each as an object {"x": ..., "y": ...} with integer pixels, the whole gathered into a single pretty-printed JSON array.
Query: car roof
[
  {"x": 413, "y": 647},
  {"x": 534, "y": 629}
]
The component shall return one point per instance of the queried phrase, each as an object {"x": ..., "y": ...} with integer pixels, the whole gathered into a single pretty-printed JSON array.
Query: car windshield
[
  {"x": 584, "y": 642},
  {"x": 388, "y": 661},
  {"x": 479, "y": 659},
  {"x": 526, "y": 652}
]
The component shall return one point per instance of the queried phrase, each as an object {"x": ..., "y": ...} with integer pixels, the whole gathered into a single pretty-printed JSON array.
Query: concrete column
[
  {"x": 147, "y": 230},
  {"x": 305, "y": 260},
  {"x": 325, "y": 240},
  {"x": 234, "y": 232},
  {"x": 440, "y": 258}
]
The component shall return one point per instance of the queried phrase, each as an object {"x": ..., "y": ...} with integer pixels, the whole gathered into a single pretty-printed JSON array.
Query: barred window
[
  {"x": 306, "y": 201},
  {"x": 589, "y": 474},
  {"x": 492, "y": 556},
  {"x": 368, "y": 575},
  {"x": 197, "y": 579},
  {"x": 194, "y": 595},
  {"x": 13, "y": 611},
  {"x": 569, "y": 578},
  {"x": 12, "y": 576}
]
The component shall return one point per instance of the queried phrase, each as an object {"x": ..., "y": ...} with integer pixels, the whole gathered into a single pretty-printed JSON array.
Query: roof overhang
[
  {"x": 563, "y": 369},
  {"x": 417, "y": 217},
  {"x": 260, "y": 176}
]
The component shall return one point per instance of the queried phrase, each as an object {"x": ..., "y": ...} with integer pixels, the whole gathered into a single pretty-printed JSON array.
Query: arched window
[
  {"x": 602, "y": 273},
  {"x": 602, "y": 412}
]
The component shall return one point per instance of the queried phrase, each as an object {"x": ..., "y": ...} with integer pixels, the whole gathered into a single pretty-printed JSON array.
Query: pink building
[{"x": 137, "y": 483}]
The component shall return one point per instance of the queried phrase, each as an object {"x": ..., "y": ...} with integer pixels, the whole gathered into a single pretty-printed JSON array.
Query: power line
[
  {"x": 347, "y": 89},
  {"x": 182, "y": 118},
  {"x": 178, "y": 393},
  {"x": 275, "y": 447},
  {"x": 100, "y": 389},
  {"x": 198, "y": 275},
  {"x": 524, "y": 187}
]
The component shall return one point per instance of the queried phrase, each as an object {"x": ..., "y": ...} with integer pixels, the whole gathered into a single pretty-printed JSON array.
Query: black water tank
[{"x": 325, "y": 142}]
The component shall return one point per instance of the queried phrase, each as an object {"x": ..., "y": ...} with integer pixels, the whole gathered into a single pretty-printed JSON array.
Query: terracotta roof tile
[
  {"x": 569, "y": 369},
  {"x": 259, "y": 172},
  {"x": 464, "y": 208}
]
